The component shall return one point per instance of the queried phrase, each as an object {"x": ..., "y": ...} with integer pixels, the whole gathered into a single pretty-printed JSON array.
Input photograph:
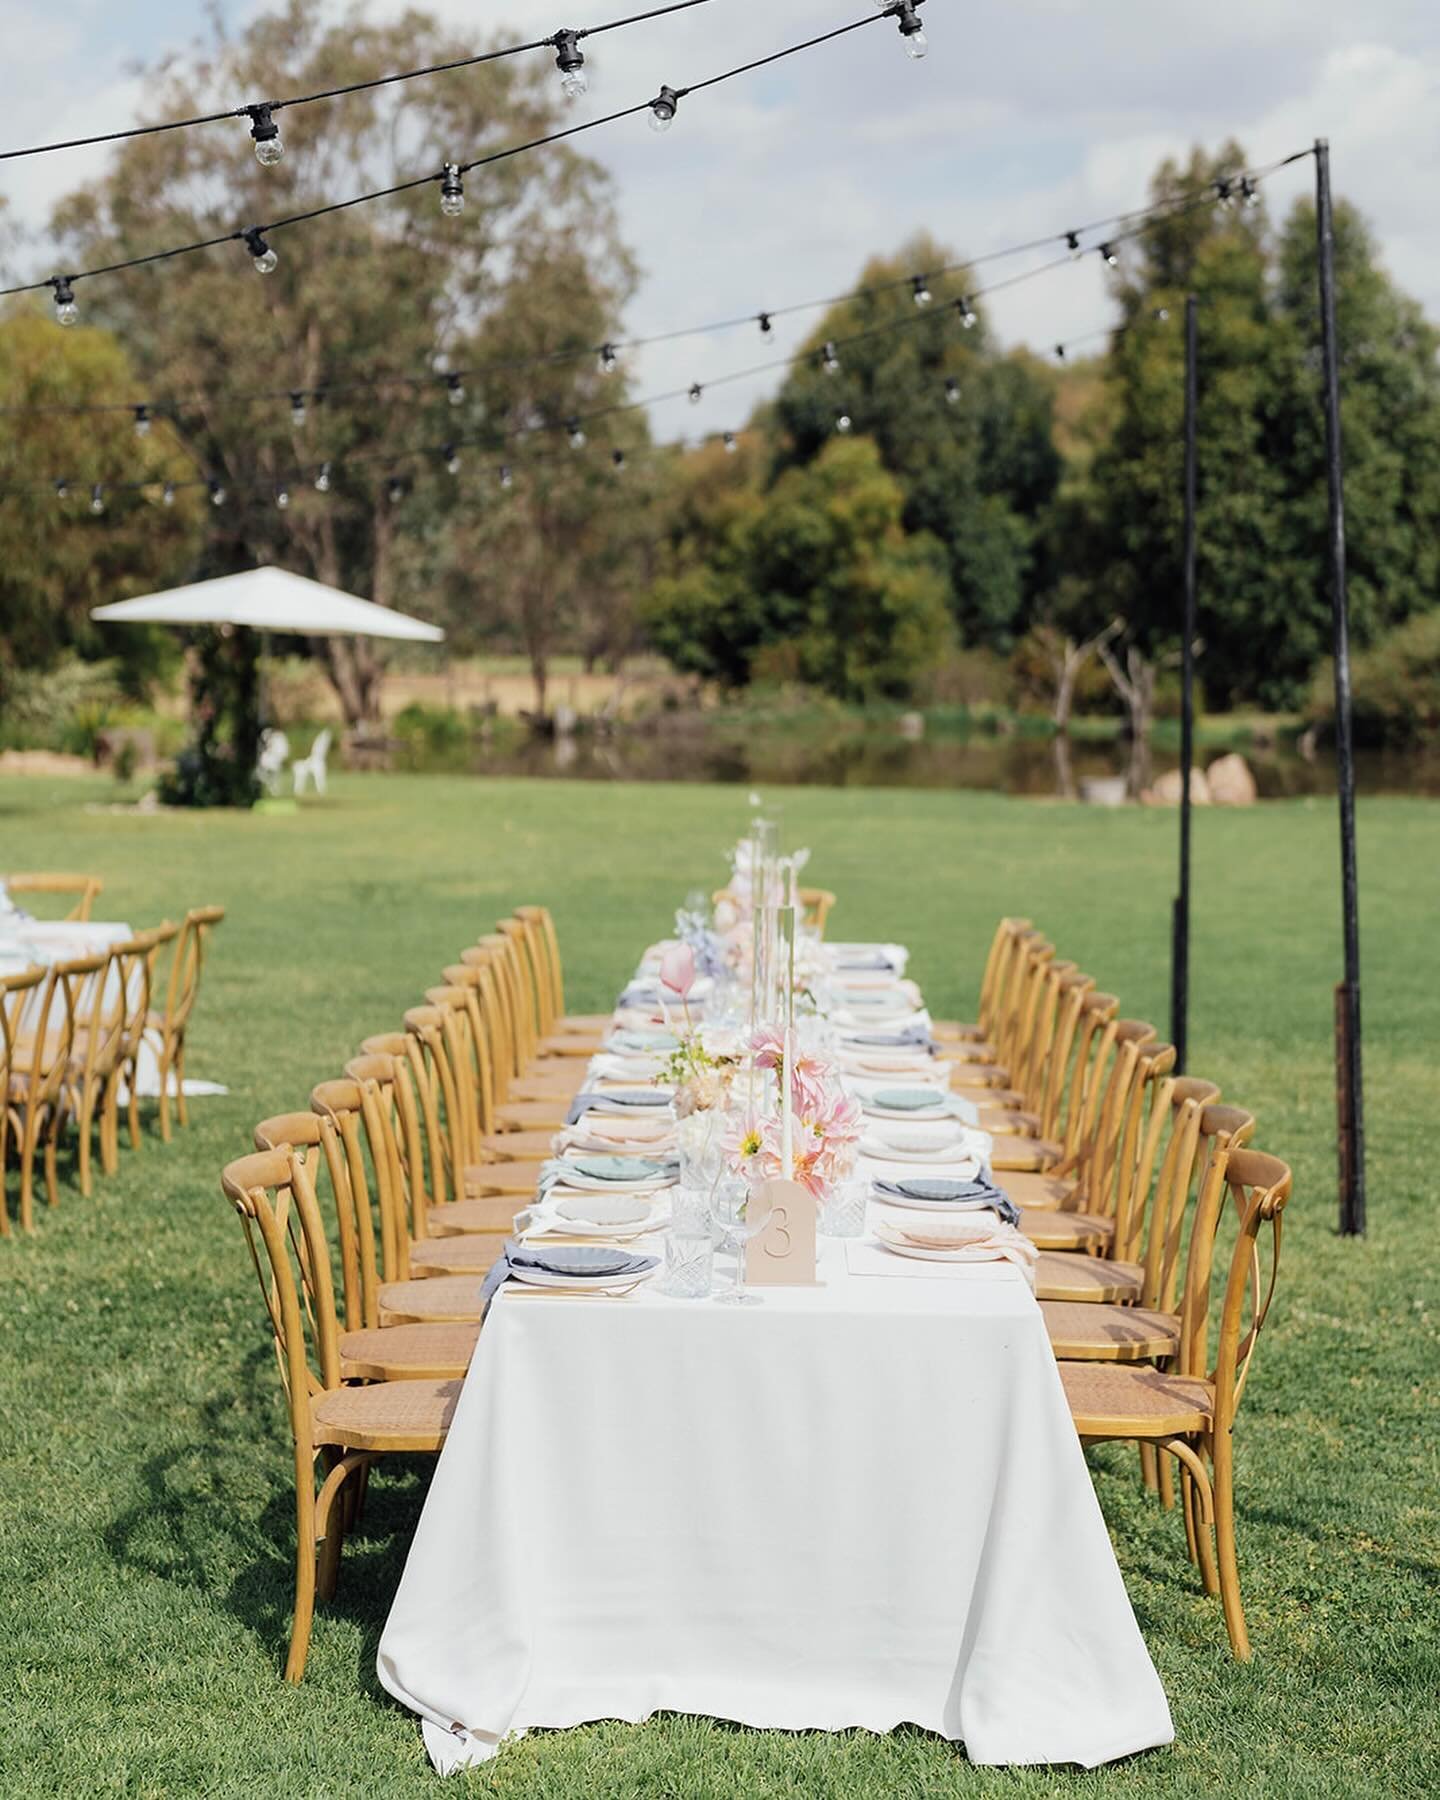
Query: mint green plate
[{"x": 909, "y": 1099}]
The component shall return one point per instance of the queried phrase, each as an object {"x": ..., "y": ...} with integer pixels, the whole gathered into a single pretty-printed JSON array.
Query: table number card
[{"x": 782, "y": 1253}]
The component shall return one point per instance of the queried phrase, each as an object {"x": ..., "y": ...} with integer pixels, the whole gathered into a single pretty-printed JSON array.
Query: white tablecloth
[{"x": 853, "y": 1505}]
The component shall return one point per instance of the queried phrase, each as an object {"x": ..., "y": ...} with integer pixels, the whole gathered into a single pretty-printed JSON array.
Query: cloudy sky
[{"x": 1026, "y": 117}]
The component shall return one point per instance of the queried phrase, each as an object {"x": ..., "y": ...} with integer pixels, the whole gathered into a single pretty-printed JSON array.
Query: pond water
[{"x": 1013, "y": 764}]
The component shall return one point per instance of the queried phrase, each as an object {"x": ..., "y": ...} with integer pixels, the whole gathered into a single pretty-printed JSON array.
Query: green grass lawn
[{"x": 145, "y": 1491}]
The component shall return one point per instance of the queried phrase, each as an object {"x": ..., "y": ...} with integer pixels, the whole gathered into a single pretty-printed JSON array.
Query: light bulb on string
[
  {"x": 507, "y": 476},
  {"x": 263, "y": 258},
  {"x": 570, "y": 61},
  {"x": 952, "y": 389},
  {"x": 843, "y": 422},
  {"x": 97, "y": 499},
  {"x": 609, "y": 361},
  {"x": 967, "y": 313},
  {"x": 450, "y": 456},
  {"x": 829, "y": 358},
  {"x": 454, "y": 390},
  {"x": 322, "y": 479},
  {"x": 282, "y": 497},
  {"x": 62, "y": 490},
  {"x": 266, "y": 134},
  {"x": 696, "y": 393},
  {"x": 576, "y": 433},
  {"x": 1224, "y": 192},
  {"x": 452, "y": 191},
  {"x": 729, "y": 442},
  {"x": 1059, "y": 353},
  {"x": 395, "y": 490},
  {"x": 1072, "y": 242},
  {"x": 1249, "y": 192},
  {"x": 1162, "y": 315},
  {"x": 920, "y": 290},
  {"x": 167, "y": 494},
  {"x": 298, "y": 410},
  {"x": 1108, "y": 256},
  {"x": 764, "y": 323},
  {"x": 911, "y": 30},
  {"x": 66, "y": 311},
  {"x": 617, "y": 457},
  {"x": 142, "y": 421},
  {"x": 217, "y": 492},
  {"x": 663, "y": 109}
]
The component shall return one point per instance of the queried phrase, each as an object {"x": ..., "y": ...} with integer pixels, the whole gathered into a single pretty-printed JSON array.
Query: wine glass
[{"x": 730, "y": 1204}]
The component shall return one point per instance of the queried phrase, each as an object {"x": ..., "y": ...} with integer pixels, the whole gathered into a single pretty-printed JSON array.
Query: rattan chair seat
[
  {"x": 1029, "y": 1189},
  {"x": 1109, "y": 1333},
  {"x": 514, "y": 1180},
  {"x": 408, "y": 1352},
  {"x": 1088, "y": 1279},
  {"x": 1109, "y": 1401},
  {"x": 446, "y": 1300},
  {"x": 391, "y": 1415},
  {"x": 532, "y": 1115},
  {"x": 1050, "y": 1229},
  {"x": 465, "y": 1253},
  {"x": 979, "y": 1075},
  {"x": 488, "y": 1212},
  {"x": 517, "y": 1146},
  {"x": 1024, "y": 1153},
  {"x": 569, "y": 1044}
]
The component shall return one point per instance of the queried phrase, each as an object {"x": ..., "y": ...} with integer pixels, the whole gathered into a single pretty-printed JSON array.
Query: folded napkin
[
  {"x": 980, "y": 1194},
  {"x": 629, "y": 1069},
  {"x": 657, "y": 1043},
  {"x": 860, "y": 1060},
  {"x": 961, "y": 1237},
  {"x": 620, "y": 1103},
  {"x": 544, "y": 1219},
  {"x": 627, "y": 1175},
  {"x": 910, "y": 1037},
  {"x": 650, "y": 990},
  {"x": 639, "y": 1136},
  {"x": 845, "y": 957},
  {"x": 580, "y": 1263}
]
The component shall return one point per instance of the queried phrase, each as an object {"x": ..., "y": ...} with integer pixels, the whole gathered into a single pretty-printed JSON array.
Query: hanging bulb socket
[
  {"x": 1224, "y": 192},
  {"x": 570, "y": 61},
  {"x": 920, "y": 290},
  {"x": 617, "y": 457},
  {"x": 66, "y": 311},
  {"x": 62, "y": 490},
  {"x": 454, "y": 390},
  {"x": 764, "y": 323},
  {"x": 729, "y": 442},
  {"x": 576, "y": 433},
  {"x": 167, "y": 494},
  {"x": 609, "y": 361},
  {"x": 969, "y": 318},
  {"x": 97, "y": 498},
  {"x": 1108, "y": 256},
  {"x": 507, "y": 476},
  {"x": 1249, "y": 192},
  {"x": 1059, "y": 353},
  {"x": 266, "y": 134},
  {"x": 1072, "y": 242},
  {"x": 829, "y": 358},
  {"x": 452, "y": 191},
  {"x": 663, "y": 109},
  {"x": 263, "y": 257},
  {"x": 217, "y": 492},
  {"x": 911, "y": 30},
  {"x": 696, "y": 393},
  {"x": 282, "y": 497},
  {"x": 322, "y": 479},
  {"x": 843, "y": 422},
  {"x": 298, "y": 410},
  {"x": 952, "y": 389},
  {"x": 142, "y": 421},
  {"x": 450, "y": 456},
  {"x": 394, "y": 490}
]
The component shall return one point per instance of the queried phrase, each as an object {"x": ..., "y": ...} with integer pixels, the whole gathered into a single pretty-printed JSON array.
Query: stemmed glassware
[{"x": 730, "y": 1197}]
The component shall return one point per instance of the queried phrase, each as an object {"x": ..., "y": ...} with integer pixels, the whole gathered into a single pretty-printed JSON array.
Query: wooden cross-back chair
[
  {"x": 158, "y": 938},
  {"x": 972, "y": 1040},
  {"x": 591, "y": 1025},
  {"x": 816, "y": 906},
  {"x": 166, "y": 1030},
  {"x": 1105, "y": 1065},
  {"x": 18, "y": 993},
  {"x": 86, "y": 888},
  {"x": 1047, "y": 1034},
  {"x": 336, "y": 1430},
  {"x": 1188, "y": 1411},
  {"x": 998, "y": 1063},
  {"x": 41, "y": 1049},
  {"x": 110, "y": 1014}
]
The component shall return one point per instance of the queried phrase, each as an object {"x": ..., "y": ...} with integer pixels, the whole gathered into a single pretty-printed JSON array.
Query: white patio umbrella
[{"x": 270, "y": 600}]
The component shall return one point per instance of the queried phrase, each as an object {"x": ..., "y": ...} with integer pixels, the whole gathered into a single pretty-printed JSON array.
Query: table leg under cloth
[{"x": 854, "y": 1505}]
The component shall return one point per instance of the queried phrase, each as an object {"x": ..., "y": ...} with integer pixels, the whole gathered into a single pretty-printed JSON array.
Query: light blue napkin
[{"x": 626, "y": 1102}]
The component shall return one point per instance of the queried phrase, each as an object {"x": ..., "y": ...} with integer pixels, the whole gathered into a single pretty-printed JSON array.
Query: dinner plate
[
  {"x": 604, "y": 1209},
  {"x": 923, "y": 1254},
  {"x": 594, "y": 1284},
  {"x": 934, "y": 1202},
  {"x": 636, "y": 1097},
  {"x": 624, "y": 1170}
]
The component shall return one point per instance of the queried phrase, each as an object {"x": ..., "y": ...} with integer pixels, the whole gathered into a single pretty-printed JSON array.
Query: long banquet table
[{"x": 858, "y": 1504}]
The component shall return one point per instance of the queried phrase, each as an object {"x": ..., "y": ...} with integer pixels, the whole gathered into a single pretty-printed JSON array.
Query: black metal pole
[
  {"x": 1180, "y": 919},
  {"x": 1349, "y": 1093}
]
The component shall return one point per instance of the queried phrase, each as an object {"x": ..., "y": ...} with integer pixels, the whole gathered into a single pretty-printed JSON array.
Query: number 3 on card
[{"x": 783, "y": 1253}]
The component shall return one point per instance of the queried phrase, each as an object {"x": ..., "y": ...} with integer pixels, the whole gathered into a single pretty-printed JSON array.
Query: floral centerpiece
[
  {"x": 825, "y": 1124},
  {"x": 703, "y": 1063}
]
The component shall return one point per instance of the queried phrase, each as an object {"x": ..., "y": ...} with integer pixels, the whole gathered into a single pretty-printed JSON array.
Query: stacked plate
[{"x": 580, "y": 1268}]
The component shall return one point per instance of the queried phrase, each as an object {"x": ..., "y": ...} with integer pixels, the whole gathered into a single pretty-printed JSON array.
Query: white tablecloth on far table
[{"x": 853, "y": 1505}]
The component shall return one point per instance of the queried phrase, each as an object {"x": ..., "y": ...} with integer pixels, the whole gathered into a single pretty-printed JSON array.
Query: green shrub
[{"x": 1395, "y": 687}]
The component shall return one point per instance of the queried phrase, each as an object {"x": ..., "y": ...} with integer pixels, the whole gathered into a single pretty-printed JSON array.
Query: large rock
[
  {"x": 1231, "y": 783},
  {"x": 1166, "y": 791}
]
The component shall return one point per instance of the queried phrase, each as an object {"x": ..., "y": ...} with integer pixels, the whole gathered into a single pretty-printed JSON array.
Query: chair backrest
[
  {"x": 1083, "y": 1079},
  {"x": 548, "y": 945},
  {"x": 1024, "y": 985},
  {"x": 273, "y": 1192},
  {"x": 477, "y": 984},
  {"x": 450, "y": 1116},
  {"x": 1201, "y": 1131},
  {"x": 1074, "y": 985},
  {"x": 1260, "y": 1186},
  {"x": 17, "y": 993},
  {"x": 518, "y": 1006},
  {"x": 533, "y": 989},
  {"x": 816, "y": 905},
  {"x": 69, "y": 996},
  {"x": 187, "y": 959},
  {"x": 45, "y": 881},
  {"x": 140, "y": 989}
]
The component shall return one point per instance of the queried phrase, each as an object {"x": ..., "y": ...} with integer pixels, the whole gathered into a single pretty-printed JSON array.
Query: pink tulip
[{"x": 677, "y": 969}]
